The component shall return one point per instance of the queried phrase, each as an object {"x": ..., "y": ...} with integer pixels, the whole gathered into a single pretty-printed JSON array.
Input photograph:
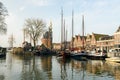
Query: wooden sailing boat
[
  {"x": 80, "y": 55},
  {"x": 63, "y": 53}
]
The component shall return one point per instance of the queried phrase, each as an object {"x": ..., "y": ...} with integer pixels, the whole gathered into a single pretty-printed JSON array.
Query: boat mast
[
  {"x": 64, "y": 35},
  {"x": 83, "y": 31},
  {"x": 66, "y": 39},
  {"x": 24, "y": 35},
  {"x": 72, "y": 28},
  {"x": 61, "y": 27}
]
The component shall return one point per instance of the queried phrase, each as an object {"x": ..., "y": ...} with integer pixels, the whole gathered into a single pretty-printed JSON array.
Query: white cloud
[
  {"x": 22, "y": 8},
  {"x": 12, "y": 21},
  {"x": 70, "y": 3},
  {"x": 39, "y": 2},
  {"x": 14, "y": 27},
  {"x": 101, "y": 3}
]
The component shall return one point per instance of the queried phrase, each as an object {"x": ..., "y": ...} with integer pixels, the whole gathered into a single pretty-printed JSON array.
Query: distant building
[
  {"x": 105, "y": 43},
  {"x": 78, "y": 41},
  {"x": 88, "y": 41},
  {"x": 99, "y": 41},
  {"x": 117, "y": 38},
  {"x": 57, "y": 46},
  {"x": 47, "y": 38},
  {"x": 95, "y": 41},
  {"x": 96, "y": 37}
]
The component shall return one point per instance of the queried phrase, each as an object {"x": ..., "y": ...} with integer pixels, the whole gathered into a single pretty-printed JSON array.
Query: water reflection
[
  {"x": 15, "y": 67},
  {"x": 64, "y": 63},
  {"x": 2, "y": 65},
  {"x": 96, "y": 67},
  {"x": 46, "y": 64},
  {"x": 113, "y": 69}
]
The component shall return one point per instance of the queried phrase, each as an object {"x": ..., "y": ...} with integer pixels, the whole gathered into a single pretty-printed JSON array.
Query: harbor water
[{"x": 15, "y": 67}]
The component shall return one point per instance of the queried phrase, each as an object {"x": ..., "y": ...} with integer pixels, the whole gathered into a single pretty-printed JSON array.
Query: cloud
[
  {"x": 22, "y": 8},
  {"x": 39, "y": 2},
  {"x": 101, "y": 3},
  {"x": 70, "y": 3},
  {"x": 12, "y": 21},
  {"x": 14, "y": 27}
]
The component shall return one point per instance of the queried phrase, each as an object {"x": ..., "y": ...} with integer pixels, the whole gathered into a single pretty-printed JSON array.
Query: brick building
[
  {"x": 97, "y": 41},
  {"x": 47, "y": 38},
  {"x": 94, "y": 41},
  {"x": 117, "y": 38},
  {"x": 78, "y": 41}
]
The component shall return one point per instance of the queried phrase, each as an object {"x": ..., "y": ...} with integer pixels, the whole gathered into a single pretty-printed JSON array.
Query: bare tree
[
  {"x": 34, "y": 28},
  {"x": 3, "y": 14}
]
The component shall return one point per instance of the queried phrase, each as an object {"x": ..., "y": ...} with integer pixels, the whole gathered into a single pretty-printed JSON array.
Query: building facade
[
  {"x": 117, "y": 38},
  {"x": 96, "y": 41},
  {"x": 47, "y": 38},
  {"x": 78, "y": 42}
]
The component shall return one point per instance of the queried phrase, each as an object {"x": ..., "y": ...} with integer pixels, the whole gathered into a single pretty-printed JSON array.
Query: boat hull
[
  {"x": 95, "y": 57},
  {"x": 79, "y": 56}
]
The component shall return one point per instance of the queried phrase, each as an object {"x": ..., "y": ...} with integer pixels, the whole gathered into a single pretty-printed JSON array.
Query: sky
[{"x": 100, "y": 16}]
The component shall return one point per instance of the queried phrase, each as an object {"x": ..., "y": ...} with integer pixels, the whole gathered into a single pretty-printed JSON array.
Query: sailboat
[
  {"x": 82, "y": 55},
  {"x": 63, "y": 52}
]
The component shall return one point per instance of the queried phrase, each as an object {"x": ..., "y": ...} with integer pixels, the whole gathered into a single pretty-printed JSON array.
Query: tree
[
  {"x": 34, "y": 28},
  {"x": 3, "y": 14}
]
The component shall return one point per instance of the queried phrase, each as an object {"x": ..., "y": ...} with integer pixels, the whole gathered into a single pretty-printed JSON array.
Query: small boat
[
  {"x": 113, "y": 55},
  {"x": 63, "y": 54},
  {"x": 2, "y": 52},
  {"x": 79, "y": 55},
  {"x": 94, "y": 55}
]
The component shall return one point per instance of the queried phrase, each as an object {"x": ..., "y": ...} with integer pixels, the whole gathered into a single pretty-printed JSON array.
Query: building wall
[
  {"x": 93, "y": 40},
  {"x": 77, "y": 41},
  {"x": 47, "y": 39},
  {"x": 117, "y": 39},
  {"x": 88, "y": 41},
  {"x": 105, "y": 44},
  {"x": 57, "y": 46},
  {"x": 92, "y": 43}
]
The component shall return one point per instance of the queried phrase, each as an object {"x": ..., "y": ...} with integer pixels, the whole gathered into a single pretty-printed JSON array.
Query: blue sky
[{"x": 101, "y": 16}]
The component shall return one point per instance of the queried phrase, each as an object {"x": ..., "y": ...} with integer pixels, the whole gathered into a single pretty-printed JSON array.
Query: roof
[
  {"x": 106, "y": 37},
  {"x": 76, "y": 36},
  {"x": 83, "y": 37},
  {"x": 73, "y": 38},
  {"x": 118, "y": 30},
  {"x": 97, "y": 36}
]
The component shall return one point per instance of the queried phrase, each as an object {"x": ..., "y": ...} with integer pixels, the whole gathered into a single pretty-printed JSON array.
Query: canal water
[{"x": 15, "y": 67}]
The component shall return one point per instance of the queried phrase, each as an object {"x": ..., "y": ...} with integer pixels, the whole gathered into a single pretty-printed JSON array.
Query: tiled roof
[
  {"x": 76, "y": 36},
  {"x": 118, "y": 30},
  {"x": 97, "y": 36},
  {"x": 83, "y": 36},
  {"x": 106, "y": 37},
  {"x": 73, "y": 38}
]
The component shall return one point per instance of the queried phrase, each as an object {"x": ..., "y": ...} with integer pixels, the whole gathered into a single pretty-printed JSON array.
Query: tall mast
[
  {"x": 66, "y": 39},
  {"x": 83, "y": 31},
  {"x": 64, "y": 34},
  {"x": 24, "y": 35},
  {"x": 61, "y": 27},
  {"x": 72, "y": 27}
]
